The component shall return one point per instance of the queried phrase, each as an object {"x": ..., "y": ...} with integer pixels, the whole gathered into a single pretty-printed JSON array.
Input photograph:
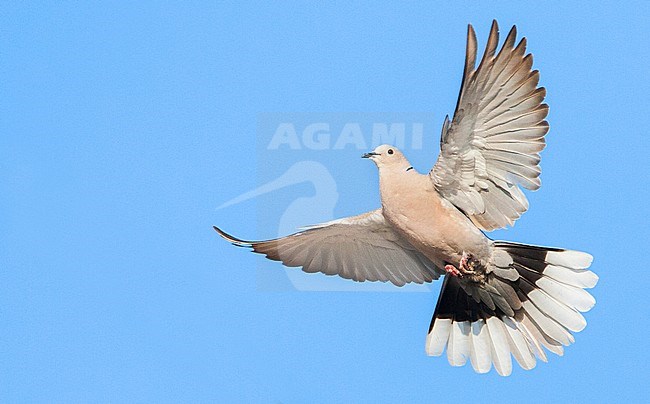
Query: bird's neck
[{"x": 395, "y": 182}]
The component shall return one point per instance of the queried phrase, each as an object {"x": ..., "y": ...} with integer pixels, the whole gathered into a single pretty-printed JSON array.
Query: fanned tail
[{"x": 536, "y": 299}]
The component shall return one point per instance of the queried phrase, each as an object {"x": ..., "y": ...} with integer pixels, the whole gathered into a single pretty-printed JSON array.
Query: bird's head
[{"x": 388, "y": 157}]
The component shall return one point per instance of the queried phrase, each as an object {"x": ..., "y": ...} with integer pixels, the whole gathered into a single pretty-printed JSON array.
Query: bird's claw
[
  {"x": 465, "y": 263},
  {"x": 453, "y": 271},
  {"x": 464, "y": 268}
]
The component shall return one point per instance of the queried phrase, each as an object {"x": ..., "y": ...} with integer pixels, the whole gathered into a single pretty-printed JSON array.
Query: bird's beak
[{"x": 368, "y": 155}]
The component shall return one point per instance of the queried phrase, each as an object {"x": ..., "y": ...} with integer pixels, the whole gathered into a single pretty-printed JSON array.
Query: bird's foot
[
  {"x": 465, "y": 266},
  {"x": 453, "y": 271}
]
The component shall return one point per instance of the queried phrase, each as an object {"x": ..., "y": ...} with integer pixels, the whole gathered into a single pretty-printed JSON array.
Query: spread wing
[
  {"x": 362, "y": 248},
  {"x": 492, "y": 145}
]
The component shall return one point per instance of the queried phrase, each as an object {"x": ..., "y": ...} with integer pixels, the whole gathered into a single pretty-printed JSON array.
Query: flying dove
[{"x": 498, "y": 298}]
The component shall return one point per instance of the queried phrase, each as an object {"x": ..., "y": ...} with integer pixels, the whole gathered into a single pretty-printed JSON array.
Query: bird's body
[
  {"x": 434, "y": 226},
  {"x": 499, "y": 299}
]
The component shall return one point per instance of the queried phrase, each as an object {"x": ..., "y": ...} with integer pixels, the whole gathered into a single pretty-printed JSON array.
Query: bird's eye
[{"x": 390, "y": 151}]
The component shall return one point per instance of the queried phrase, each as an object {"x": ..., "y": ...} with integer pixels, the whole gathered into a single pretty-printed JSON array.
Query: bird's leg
[
  {"x": 451, "y": 270},
  {"x": 465, "y": 266}
]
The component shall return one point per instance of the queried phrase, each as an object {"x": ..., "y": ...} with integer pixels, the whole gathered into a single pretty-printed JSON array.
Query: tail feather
[{"x": 543, "y": 289}]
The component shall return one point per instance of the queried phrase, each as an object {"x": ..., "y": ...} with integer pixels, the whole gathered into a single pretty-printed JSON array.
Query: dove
[{"x": 499, "y": 300}]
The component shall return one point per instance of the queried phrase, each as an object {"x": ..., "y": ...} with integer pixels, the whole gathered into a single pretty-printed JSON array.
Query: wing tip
[
  {"x": 494, "y": 26},
  {"x": 513, "y": 30},
  {"x": 232, "y": 239},
  {"x": 471, "y": 47}
]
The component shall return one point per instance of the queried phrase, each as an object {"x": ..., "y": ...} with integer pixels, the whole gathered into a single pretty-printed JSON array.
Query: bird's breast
[{"x": 430, "y": 223}]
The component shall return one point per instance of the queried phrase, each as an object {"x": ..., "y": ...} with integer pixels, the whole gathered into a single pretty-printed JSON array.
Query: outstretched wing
[
  {"x": 492, "y": 145},
  {"x": 362, "y": 248}
]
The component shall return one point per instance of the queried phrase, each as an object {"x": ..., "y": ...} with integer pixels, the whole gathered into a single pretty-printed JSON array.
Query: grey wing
[
  {"x": 492, "y": 145},
  {"x": 362, "y": 248}
]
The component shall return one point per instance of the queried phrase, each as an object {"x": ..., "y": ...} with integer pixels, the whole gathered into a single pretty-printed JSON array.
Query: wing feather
[
  {"x": 493, "y": 142},
  {"x": 362, "y": 248}
]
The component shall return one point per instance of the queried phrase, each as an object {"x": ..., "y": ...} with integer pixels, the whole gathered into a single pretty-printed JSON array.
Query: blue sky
[{"x": 125, "y": 127}]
